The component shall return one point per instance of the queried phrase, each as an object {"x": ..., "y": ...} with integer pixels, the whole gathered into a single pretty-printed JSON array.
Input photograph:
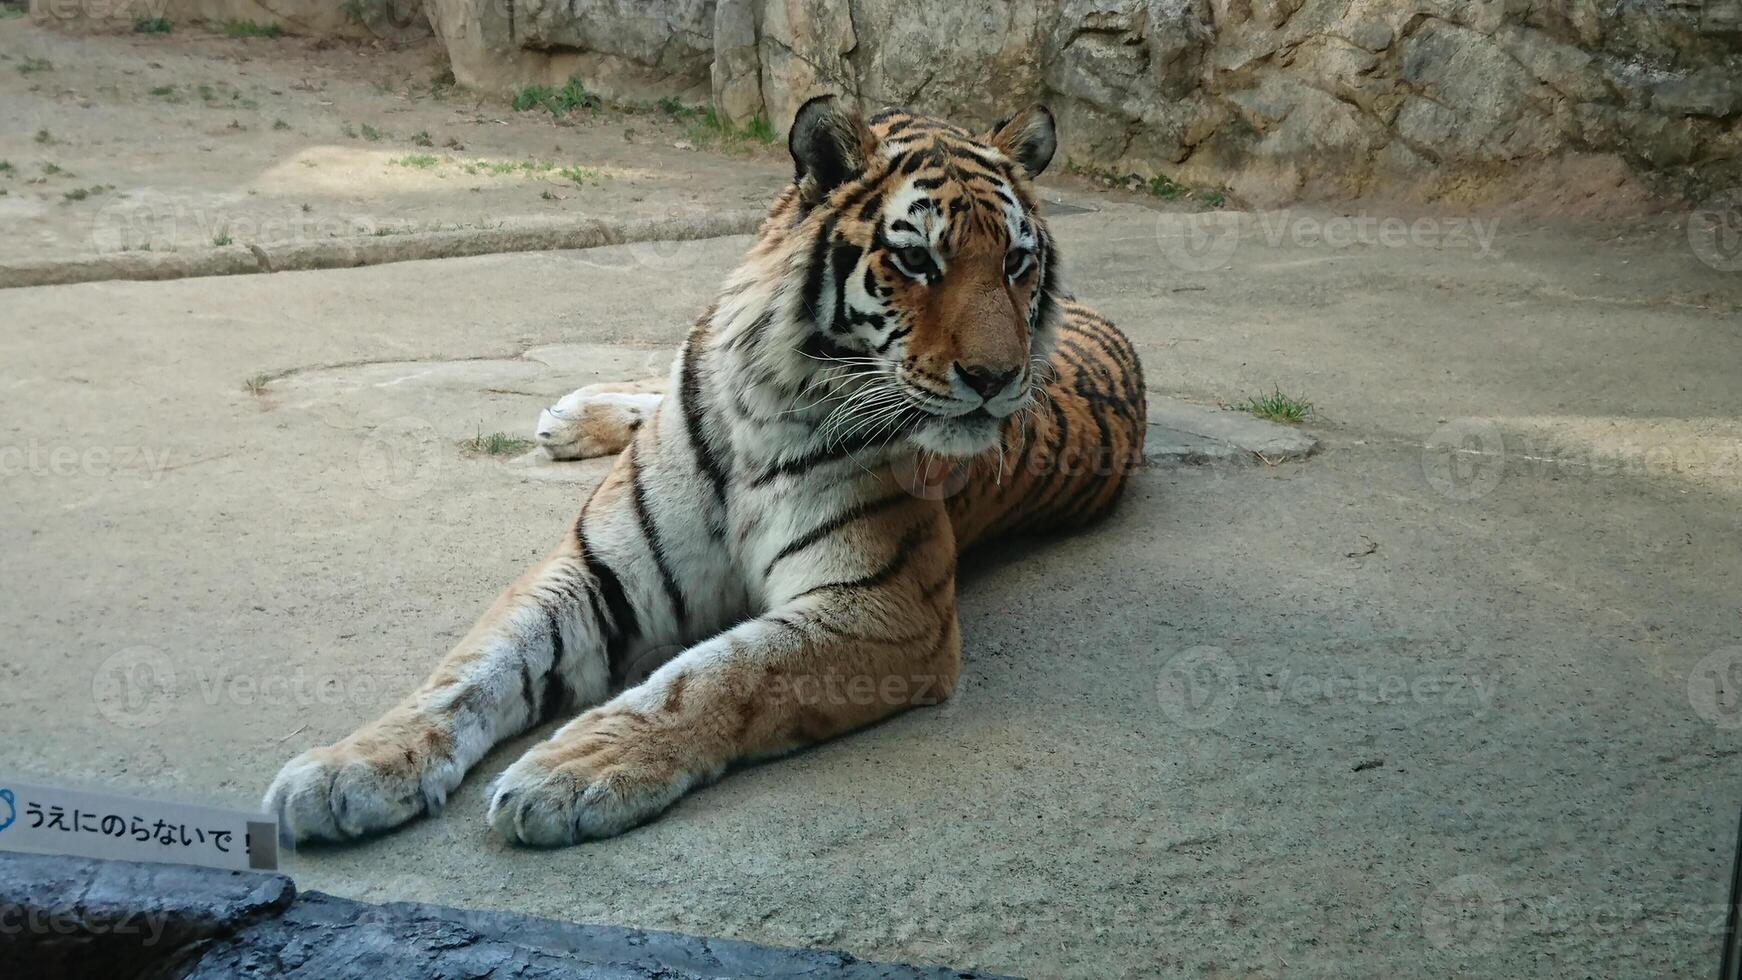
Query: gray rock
[
  {"x": 1184, "y": 433},
  {"x": 1274, "y": 98},
  {"x": 79, "y": 918},
  {"x": 84, "y": 918}
]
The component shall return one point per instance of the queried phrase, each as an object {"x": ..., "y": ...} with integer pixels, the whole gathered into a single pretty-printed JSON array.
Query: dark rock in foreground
[{"x": 72, "y": 917}]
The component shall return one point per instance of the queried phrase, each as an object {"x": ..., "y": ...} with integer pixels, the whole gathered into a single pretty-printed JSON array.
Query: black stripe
[
  {"x": 1043, "y": 489},
  {"x": 894, "y": 335},
  {"x": 555, "y": 694},
  {"x": 793, "y": 467},
  {"x": 871, "y": 208},
  {"x": 903, "y": 554},
  {"x": 842, "y": 262},
  {"x": 1093, "y": 481},
  {"x": 753, "y": 333},
  {"x": 813, "y": 281},
  {"x": 619, "y": 626},
  {"x": 833, "y": 524},
  {"x": 690, "y": 395},
  {"x": 526, "y": 690},
  {"x": 650, "y": 531}
]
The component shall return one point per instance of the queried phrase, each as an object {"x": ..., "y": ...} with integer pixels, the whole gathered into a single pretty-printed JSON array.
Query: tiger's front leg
[
  {"x": 551, "y": 643},
  {"x": 862, "y": 625}
]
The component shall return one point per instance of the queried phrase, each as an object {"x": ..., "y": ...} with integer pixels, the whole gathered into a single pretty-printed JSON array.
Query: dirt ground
[
  {"x": 175, "y": 141},
  {"x": 1453, "y": 697}
]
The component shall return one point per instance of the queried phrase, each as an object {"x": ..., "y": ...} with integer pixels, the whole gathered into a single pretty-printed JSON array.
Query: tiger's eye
[
  {"x": 1016, "y": 262},
  {"x": 915, "y": 259}
]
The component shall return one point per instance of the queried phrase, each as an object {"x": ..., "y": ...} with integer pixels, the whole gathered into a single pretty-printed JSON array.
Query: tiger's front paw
[
  {"x": 589, "y": 781},
  {"x": 341, "y": 792}
]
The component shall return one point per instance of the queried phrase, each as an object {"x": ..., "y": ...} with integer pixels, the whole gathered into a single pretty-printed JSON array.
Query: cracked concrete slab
[{"x": 1221, "y": 733}]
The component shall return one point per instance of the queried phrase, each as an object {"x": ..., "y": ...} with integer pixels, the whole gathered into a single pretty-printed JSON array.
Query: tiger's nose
[{"x": 986, "y": 382}]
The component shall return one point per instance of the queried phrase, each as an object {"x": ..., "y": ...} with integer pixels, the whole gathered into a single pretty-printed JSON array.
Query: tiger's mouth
[{"x": 968, "y": 434}]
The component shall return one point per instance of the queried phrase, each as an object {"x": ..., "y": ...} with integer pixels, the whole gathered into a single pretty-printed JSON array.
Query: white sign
[{"x": 46, "y": 820}]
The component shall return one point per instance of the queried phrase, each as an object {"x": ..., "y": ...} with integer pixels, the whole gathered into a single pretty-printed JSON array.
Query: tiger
[{"x": 894, "y": 374}]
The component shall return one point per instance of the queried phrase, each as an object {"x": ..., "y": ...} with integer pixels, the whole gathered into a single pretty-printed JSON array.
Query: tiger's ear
[
  {"x": 830, "y": 146},
  {"x": 1030, "y": 138}
]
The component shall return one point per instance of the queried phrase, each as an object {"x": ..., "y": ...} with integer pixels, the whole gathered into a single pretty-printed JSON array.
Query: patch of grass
[
  {"x": 1165, "y": 189},
  {"x": 80, "y": 193},
  {"x": 349, "y": 131},
  {"x": 44, "y": 136},
  {"x": 1214, "y": 199},
  {"x": 573, "y": 95},
  {"x": 675, "y": 109},
  {"x": 372, "y": 134},
  {"x": 54, "y": 170},
  {"x": 248, "y": 28},
  {"x": 714, "y": 129},
  {"x": 494, "y": 444},
  {"x": 153, "y": 25},
  {"x": 5, "y": 166},
  {"x": 257, "y": 385},
  {"x": 1278, "y": 407},
  {"x": 422, "y": 138},
  {"x": 207, "y": 93},
  {"x": 510, "y": 167},
  {"x": 419, "y": 161},
  {"x": 221, "y": 239},
  {"x": 280, "y": 124},
  {"x": 166, "y": 92},
  {"x": 580, "y": 175},
  {"x": 7, "y": 13},
  {"x": 761, "y": 130},
  {"x": 30, "y": 66},
  {"x": 306, "y": 208}
]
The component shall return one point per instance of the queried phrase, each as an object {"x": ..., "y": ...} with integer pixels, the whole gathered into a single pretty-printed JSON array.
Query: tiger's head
[{"x": 929, "y": 277}]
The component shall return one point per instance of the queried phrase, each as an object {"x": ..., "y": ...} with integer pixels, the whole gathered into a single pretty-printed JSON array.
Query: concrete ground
[
  {"x": 1456, "y": 696},
  {"x": 1394, "y": 710}
]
